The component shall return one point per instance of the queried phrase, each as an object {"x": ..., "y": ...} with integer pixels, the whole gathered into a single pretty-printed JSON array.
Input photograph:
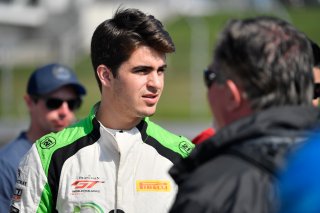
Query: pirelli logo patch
[{"x": 153, "y": 186}]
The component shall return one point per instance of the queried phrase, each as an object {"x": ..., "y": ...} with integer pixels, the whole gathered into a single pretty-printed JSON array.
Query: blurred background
[{"x": 36, "y": 32}]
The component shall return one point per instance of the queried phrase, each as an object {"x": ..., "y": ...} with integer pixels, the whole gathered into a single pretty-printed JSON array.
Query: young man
[
  {"x": 116, "y": 159},
  {"x": 53, "y": 95},
  {"x": 260, "y": 89}
]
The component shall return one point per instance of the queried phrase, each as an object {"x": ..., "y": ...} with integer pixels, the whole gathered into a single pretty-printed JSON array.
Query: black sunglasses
[
  {"x": 316, "y": 91},
  {"x": 209, "y": 77},
  {"x": 55, "y": 103}
]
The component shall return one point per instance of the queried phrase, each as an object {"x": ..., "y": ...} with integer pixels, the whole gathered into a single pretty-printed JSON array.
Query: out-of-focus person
[
  {"x": 299, "y": 184},
  {"x": 316, "y": 73},
  {"x": 260, "y": 89},
  {"x": 53, "y": 94},
  {"x": 299, "y": 180},
  {"x": 204, "y": 135}
]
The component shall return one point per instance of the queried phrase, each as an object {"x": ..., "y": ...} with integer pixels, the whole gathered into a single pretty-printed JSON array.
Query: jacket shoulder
[
  {"x": 49, "y": 144},
  {"x": 176, "y": 143}
]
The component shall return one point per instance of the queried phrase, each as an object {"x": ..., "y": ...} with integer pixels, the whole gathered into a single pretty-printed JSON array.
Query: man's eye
[
  {"x": 161, "y": 70},
  {"x": 140, "y": 71}
]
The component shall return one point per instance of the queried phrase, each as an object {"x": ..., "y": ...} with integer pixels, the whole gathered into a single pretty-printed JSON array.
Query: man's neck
[
  {"x": 33, "y": 135},
  {"x": 114, "y": 120}
]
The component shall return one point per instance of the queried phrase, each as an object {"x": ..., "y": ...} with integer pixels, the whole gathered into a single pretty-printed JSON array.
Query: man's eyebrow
[
  {"x": 163, "y": 66},
  {"x": 142, "y": 67}
]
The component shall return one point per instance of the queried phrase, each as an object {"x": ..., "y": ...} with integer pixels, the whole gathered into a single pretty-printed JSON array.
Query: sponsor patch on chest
[
  {"x": 153, "y": 186},
  {"x": 86, "y": 185}
]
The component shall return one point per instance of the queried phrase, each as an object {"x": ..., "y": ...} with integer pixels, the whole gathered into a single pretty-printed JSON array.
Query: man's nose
[
  {"x": 64, "y": 109},
  {"x": 155, "y": 79}
]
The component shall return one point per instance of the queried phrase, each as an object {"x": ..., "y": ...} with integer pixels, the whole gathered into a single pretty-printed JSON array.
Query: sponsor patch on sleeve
[
  {"x": 17, "y": 195},
  {"x": 48, "y": 142},
  {"x": 185, "y": 147},
  {"x": 14, "y": 209}
]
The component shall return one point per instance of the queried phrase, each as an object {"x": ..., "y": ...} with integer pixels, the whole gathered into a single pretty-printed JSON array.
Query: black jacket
[{"x": 235, "y": 171}]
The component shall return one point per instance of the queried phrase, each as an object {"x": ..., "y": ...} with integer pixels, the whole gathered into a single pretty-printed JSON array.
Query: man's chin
[
  {"x": 58, "y": 129},
  {"x": 148, "y": 113}
]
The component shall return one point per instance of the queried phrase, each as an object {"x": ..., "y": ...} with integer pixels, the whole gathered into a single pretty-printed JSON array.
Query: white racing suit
[{"x": 89, "y": 168}]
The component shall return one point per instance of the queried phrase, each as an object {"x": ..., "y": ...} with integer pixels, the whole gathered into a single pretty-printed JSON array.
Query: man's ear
[
  {"x": 234, "y": 95},
  {"x": 105, "y": 75},
  {"x": 28, "y": 100}
]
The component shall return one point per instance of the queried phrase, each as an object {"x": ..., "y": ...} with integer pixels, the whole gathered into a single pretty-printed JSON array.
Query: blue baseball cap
[{"x": 51, "y": 77}]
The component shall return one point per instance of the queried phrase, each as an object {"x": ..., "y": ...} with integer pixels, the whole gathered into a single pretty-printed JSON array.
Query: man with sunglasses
[
  {"x": 260, "y": 90},
  {"x": 116, "y": 159},
  {"x": 53, "y": 95}
]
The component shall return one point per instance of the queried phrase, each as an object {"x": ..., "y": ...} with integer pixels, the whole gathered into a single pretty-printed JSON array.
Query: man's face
[
  {"x": 226, "y": 98},
  {"x": 216, "y": 96},
  {"x": 48, "y": 120},
  {"x": 218, "y": 100},
  {"x": 316, "y": 75},
  {"x": 139, "y": 84}
]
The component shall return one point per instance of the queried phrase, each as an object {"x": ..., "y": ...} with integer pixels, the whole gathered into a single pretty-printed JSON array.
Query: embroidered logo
[
  {"x": 61, "y": 73},
  {"x": 86, "y": 185},
  {"x": 14, "y": 209},
  {"x": 17, "y": 195},
  {"x": 185, "y": 147},
  {"x": 47, "y": 143},
  {"x": 88, "y": 207},
  {"x": 153, "y": 186}
]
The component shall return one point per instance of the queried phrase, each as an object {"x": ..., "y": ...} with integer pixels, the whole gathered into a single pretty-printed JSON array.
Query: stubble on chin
[{"x": 149, "y": 112}]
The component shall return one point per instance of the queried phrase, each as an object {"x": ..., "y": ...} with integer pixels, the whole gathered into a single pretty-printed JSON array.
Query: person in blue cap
[{"x": 53, "y": 95}]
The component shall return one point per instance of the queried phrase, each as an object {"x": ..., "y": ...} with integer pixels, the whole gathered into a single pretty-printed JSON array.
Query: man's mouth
[{"x": 151, "y": 98}]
